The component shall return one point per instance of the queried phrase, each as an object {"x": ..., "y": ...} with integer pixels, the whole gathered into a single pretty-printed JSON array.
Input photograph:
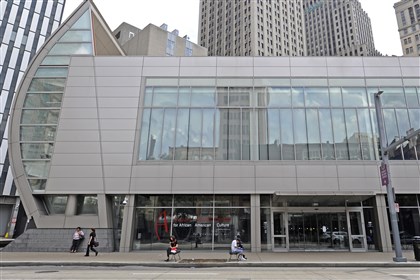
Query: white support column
[
  {"x": 255, "y": 223},
  {"x": 71, "y": 206},
  {"x": 127, "y": 231},
  {"x": 385, "y": 244}
]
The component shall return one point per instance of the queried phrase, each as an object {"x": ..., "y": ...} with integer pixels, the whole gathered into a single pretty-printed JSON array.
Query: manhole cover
[{"x": 203, "y": 261}]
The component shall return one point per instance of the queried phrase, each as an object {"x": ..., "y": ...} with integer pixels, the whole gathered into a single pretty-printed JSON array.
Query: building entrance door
[
  {"x": 357, "y": 237},
  {"x": 318, "y": 231},
  {"x": 279, "y": 226}
]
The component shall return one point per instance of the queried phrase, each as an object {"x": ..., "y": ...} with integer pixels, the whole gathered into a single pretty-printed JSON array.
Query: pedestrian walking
[{"x": 92, "y": 243}]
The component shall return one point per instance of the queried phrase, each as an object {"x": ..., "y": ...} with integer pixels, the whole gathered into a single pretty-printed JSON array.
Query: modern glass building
[
  {"x": 283, "y": 151},
  {"x": 24, "y": 27}
]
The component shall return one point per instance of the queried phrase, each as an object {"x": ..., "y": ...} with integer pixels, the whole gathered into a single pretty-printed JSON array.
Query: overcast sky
[{"x": 183, "y": 15}]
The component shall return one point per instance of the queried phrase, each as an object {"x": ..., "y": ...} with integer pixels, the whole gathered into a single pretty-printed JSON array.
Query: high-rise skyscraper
[
  {"x": 408, "y": 18},
  {"x": 24, "y": 27},
  {"x": 252, "y": 28},
  {"x": 338, "y": 28}
]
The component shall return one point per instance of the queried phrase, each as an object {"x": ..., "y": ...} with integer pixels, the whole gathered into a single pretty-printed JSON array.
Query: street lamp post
[{"x": 386, "y": 178}]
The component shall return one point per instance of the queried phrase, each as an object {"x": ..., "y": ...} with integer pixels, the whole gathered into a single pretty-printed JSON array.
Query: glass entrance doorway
[{"x": 318, "y": 231}]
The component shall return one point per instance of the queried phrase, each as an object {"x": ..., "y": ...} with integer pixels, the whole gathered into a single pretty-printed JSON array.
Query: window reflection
[
  {"x": 354, "y": 97},
  {"x": 87, "y": 204},
  {"x": 353, "y": 135},
  {"x": 46, "y": 85},
  {"x": 40, "y": 116},
  {"x": 314, "y": 140},
  {"x": 37, "y": 133},
  {"x": 393, "y": 97},
  {"x": 36, "y": 100},
  {"x": 317, "y": 97},
  {"x": 279, "y": 97},
  {"x": 55, "y": 204},
  {"x": 37, "y": 169},
  {"x": 71, "y": 49},
  {"x": 36, "y": 150},
  {"x": 367, "y": 138},
  {"x": 313, "y": 123}
]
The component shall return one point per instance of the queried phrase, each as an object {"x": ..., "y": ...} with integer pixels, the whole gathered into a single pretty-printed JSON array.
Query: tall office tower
[
  {"x": 24, "y": 27},
  {"x": 408, "y": 18},
  {"x": 338, "y": 28},
  {"x": 252, "y": 28}
]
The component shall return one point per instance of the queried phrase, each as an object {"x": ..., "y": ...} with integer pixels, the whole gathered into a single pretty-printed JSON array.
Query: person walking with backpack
[
  {"x": 92, "y": 243},
  {"x": 78, "y": 237}
]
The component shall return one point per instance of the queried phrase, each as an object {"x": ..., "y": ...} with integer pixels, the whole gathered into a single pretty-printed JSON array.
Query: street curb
[{"x": 210, "y": 265}]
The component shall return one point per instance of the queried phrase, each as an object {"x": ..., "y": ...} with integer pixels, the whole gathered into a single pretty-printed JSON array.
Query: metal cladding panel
[
  {"x": 120, "y": 103},
  {"x": 118, "y": 171},
  {"x": 79, "y": 113},
  {"x": 275, "y": 184},
  {"x": 76, "y": 160},
  {"x": 272, "y": 72},
  {"x": 193, "y": 185},
  {"x": 275, "y": 171},
  {"x": 118, "y": 71},
  {"x": 117, "y": 135},
  {"x": 309, "y": 71},
  {"x": 359, "y": 184},
  {"x": 381, "y": 61},
  {"x": 118, "y": 159},
  {"x": 197, "y": 71},
  {"x": 345, "y": 71},
  {"x": 193, "y": 171},
  {"x": 76, "y": 91},
  {"x": 116, "y": 61},
  {"x": 304, "y": 61},
  {"x": 81, "y": 71},
  {"x": 79, "y": 170},
  {"x": 270, "y": 62},
  {"x": 118, "y": 113},
  {"x": 74, "y": 124},
  {"x": 317, "y": 185},
  {"x": 382, "y": 71},
  {"x": 151, "y": 185},
  {"x": 234, "y": 185},
  {"x": 316, "y": 171},
  {"x": 115, "y": 81},
  {"x": 345, "y": 61},
  {"x": 152, "y": 171},
  {"x": 79, "y": 102},
  {"x": 75, "y": 185},
  {"x": 77, "y": 136},
  {"x": 198, "y": 61},
  {"x": 232, "y": 171}
]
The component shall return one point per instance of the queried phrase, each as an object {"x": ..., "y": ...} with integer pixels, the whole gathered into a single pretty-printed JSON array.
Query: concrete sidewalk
[{"x": 209, "y": 259}]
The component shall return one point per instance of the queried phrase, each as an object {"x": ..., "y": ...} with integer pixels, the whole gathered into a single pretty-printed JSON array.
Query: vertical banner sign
[{"x": 384, "y": 174}]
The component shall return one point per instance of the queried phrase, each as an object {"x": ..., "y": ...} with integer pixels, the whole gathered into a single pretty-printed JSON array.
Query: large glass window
[
  {"x": 43, "y": 102},
  {"x": 87, "y": 204},
  {"x": 353, "y": 135},
  {"x": 317, "y": 97},
  {"x": 55, "y": 204},
  {"x": 293, "y": 123},
  {"x": 198, "y": 221}
]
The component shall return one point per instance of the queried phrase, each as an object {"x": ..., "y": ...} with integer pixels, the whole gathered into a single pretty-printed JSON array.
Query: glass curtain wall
[
  {"x": 272, "y": 122},
  {"x": 198, "y": 221},
  {"x": 42, "y": 105},
  {"x": 41, "y": 112}
]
